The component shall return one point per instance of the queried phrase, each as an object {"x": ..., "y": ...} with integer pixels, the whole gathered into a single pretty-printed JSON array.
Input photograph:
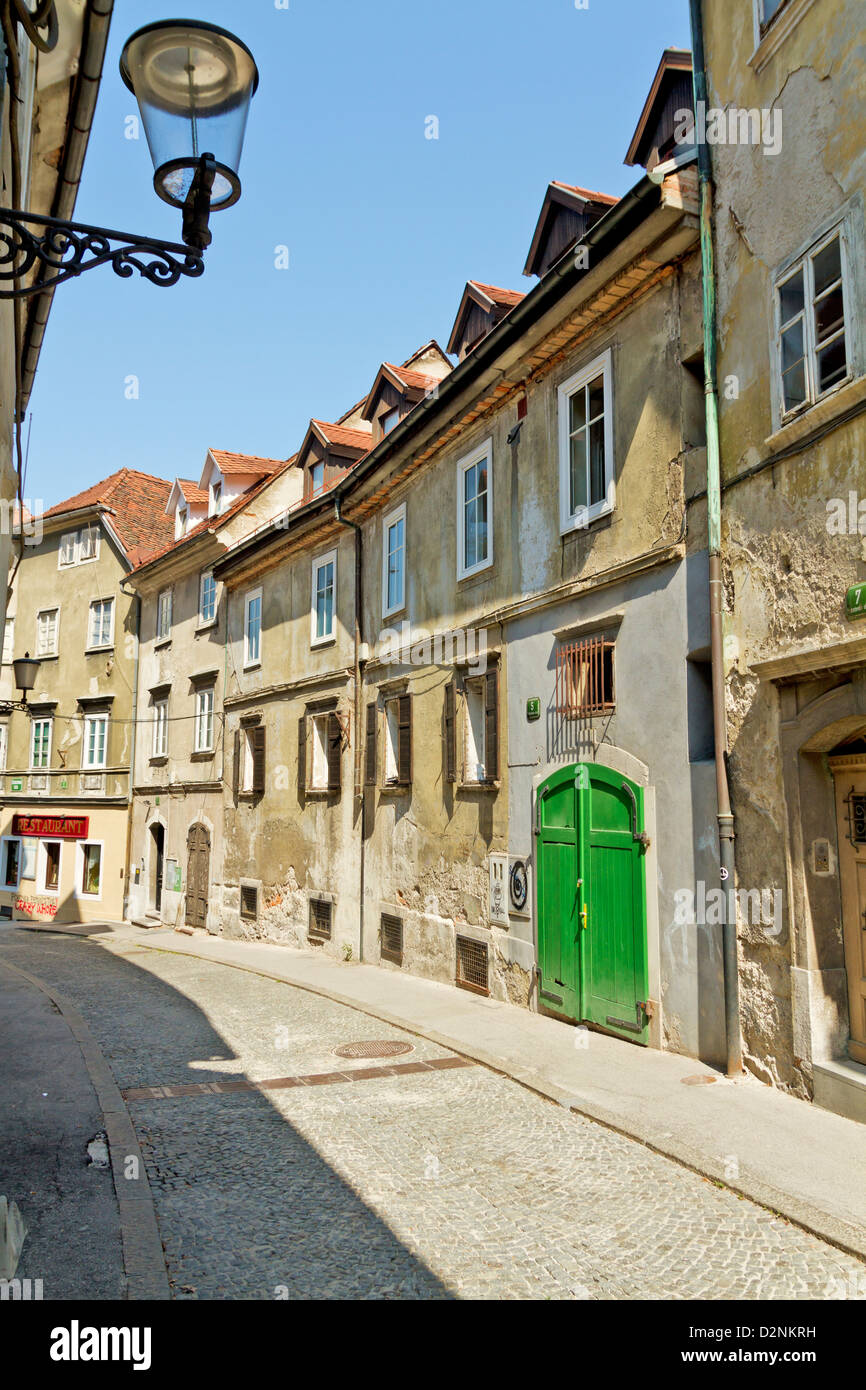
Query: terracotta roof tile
[
  {"x": 415, "y": 379},
  {"x": 137, "y": 501},
  {"x": 252, "y": 464},
  {"x": 498, "y": 295},
  {"x": 585, "y": 192},
  {"x": 195, "y": 495},
  {"x": 353, "y": 437}
]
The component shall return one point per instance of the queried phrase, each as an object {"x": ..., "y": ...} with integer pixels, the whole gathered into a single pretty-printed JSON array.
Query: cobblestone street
[{"x": 428, "y": 1182}]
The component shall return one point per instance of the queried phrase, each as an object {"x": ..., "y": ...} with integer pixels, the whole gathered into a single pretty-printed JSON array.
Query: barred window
[{"x": 585, "y": 678}]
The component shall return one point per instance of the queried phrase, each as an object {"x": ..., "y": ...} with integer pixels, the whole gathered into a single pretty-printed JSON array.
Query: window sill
[
  {"x": 571, "y": 527},
  {"x": 159, "y": 760},
  {"x": 252, "y": 666},
  {"x": 479, "y": 786},
  {"x": 322, "y": 791},
  {"x": 480, "y": 572},
  {"x": 98, "y": 651},
  {"x": 835, "y": 403},
  {"x": 161, "y": 642},
  {"x": 396, "y": 788},
  {"x": 205, "y": 627},
  {"x": 47, "y": 656},
  {"x": 393, "y": 613},
  {"x": 777, "y": 31},
  {"x": 317, "y": 642},
  {"x": 201, "y": 755}
]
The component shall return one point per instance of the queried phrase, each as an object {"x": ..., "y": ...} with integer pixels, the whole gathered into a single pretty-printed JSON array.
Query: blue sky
[{"x": 383, "y": 225}]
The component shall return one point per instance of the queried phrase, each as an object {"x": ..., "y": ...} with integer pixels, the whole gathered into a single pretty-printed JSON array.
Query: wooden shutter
[
  {"x": 491, "y": 725},
  {"x": 237, "y": 762},
  {"x": 404, "y": 740},
  {"x": 451, "y": 732},
  {"x": 335, "y": 751},
  {"x": 258, "y": 740},
  {"x": 302, "y": 755},
  {"x": 370, "y": 748}
]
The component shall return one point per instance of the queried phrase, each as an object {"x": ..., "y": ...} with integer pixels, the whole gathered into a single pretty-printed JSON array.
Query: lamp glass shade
[
  {"x": 26, "y": 670},
  {"x": 193, "y": 83}
]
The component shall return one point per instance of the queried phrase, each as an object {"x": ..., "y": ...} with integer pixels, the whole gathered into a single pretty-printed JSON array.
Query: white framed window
[
  {"x": 88, "y": 544},
  {"x": 10, "y": 862},
  {"x": 253, "y": 629},
  {"x": 585, "y": 409},
  {"x": 68, "y": 549},
  {"x": 95, "y": 747},
  {"x": 181, "y": 522},
  {"x": 812, "y": 340},
  {"x": 324, "y": 598},
  {"x": 216, "y": 498},
  {"x": 204, "y": 709},
  {"x": 394, "y": 561},
  {"x": 4, "y": 746},
  {"x": 100, "y": 632},
  {"x": 48, "y": 859},
  {"x": 317, "y": 477},
  {"x": 206, "y": 599},
  {"x": 390, "y": 419},
  {"x": 47, "y": 630},
  {"x": 89, "y": 875},
  {"x": 475, "y": 511},
  {"x": 320, "y": 725},
  {"x": 9, "y": 642},
  {"x": 163, "y": 616},
  {"x": 474, "y": 755},
  {"x": 391, "y": 726},
  {"x": 159, "y": 745},
  {"x": 29, "y": 846},
  {"x": 40, "y": 744},
  {"x": 767, "y": 11}
]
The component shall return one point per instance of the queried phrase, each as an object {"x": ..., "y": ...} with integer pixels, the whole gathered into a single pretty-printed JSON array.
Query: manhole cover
[{"x": 373, "y": 1049}]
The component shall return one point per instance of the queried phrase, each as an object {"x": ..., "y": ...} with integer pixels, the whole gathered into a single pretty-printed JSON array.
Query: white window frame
[
  {"x": 474, "y": 732},
  {"x": 202, "y": 620},
  {"x": 215, "y": 500},
  {"x": 68, "y": 536},
  {"x": 803, "y": 263},
  {"x": 388, "y": 523},
  {"x": 181, "y": 521},
  {"x": 319, "y": 727},
  {"x": 6, "y": 840},
  {"x": 54, "y": 647},
  {"x": 86, "y": 763},
  {"x": 159, "y": 739},
  {"x": 160, "y": 635},
  {"x": 247, "y": 759},
  {"x": 483, "y": 451},
  {"x": 41, "y": 719},
  {"x": 4, "y": 746},
  {"x": 204, "y": 715},
  {"x": 391, "y": 741},
  {"x": 330, "y": 558},
  {"x": 89, "y": 531},
  {"x": 80, "y": 847},
  {"x": 9, "y": 641},
  {"x": 252, "y": 657},
  {"x": 573, "y": 521},
  {"x": 42, "y": 867},
  {"x": 100, "y": 646}
]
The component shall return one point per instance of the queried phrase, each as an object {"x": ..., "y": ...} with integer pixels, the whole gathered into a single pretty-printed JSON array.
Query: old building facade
[
  {"x": 67, "y": 759},
  {"x": 789, "y": 227}
]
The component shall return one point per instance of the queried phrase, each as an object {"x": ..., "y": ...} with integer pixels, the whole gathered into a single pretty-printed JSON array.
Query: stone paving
[{"x": 432, "y": 1184}]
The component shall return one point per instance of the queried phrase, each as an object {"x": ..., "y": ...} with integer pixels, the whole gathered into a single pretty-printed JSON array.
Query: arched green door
[{"x": 591, "y": 898}]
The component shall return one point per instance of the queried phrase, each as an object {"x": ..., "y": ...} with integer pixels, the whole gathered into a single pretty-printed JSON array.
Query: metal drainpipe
[
  {"x": 358, "y": 769},
  {"x": 734, "y": 1048},
  {"x": 128, "y": 884}
]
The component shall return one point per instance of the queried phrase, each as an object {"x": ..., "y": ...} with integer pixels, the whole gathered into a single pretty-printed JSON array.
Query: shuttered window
[
  {"x": 370, "y": 745},
  {"x": 398, "y": 741},
  {"x": 320, "y": 753},
  {"x": 252, "y": 763},
  {"x": 481, "y": 728},
  {"x": 451, "y": 732}
]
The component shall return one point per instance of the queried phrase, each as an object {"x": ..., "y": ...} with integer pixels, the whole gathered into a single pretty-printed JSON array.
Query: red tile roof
[
  {"x": 419, "y": 380},
  {"x": 195, "y": 495},
  {"x": 353, "y": 437},
  {"x": 212, "y": 523},
  {"x": 585, "y": 192},
  {"x": 252, "y": 464},
  {"x": 498, "y": 295},
  {"x": 137, "y": 501}
]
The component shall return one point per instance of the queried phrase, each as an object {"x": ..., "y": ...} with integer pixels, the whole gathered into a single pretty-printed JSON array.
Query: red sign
[{"x": 51, "y": 827}]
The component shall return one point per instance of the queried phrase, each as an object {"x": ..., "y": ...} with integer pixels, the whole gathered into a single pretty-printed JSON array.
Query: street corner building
[{"x": 66, "y": 758}]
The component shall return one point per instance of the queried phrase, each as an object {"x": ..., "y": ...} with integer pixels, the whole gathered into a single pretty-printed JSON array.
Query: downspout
[
  {"x": 360, "y": 790},
  {"x": 127, "y": 885},
  {"x": 734, "y": 1049}
]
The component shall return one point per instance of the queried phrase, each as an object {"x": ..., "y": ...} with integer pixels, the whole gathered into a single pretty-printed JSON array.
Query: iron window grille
[
  {"x": 249, "y": 902},
  {"x": 472, "y": 965},
  {"x": 585, "y": 678},
  {"x": 391, "y": 938},
  {"x": 856, "y": 817},
  {"x": 320, "y": 920}
]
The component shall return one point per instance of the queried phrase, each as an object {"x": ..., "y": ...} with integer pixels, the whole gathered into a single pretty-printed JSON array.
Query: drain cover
[{"x": 373, "y": 1049}]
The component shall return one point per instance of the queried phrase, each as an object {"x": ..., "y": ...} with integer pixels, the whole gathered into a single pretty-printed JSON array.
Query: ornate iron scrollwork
[{"x": 64, "y": 250}]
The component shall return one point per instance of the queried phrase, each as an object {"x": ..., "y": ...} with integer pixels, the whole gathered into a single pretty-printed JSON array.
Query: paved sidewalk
[{"x": 803, "y": 1162}]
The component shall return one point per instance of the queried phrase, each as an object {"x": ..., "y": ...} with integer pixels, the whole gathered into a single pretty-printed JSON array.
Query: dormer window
[
  {"x": 317, "y": 478},
  {"x": 390, "y": 419},
  {"x": 216, "y": 499},
  {"x": 181, "y": 522}
]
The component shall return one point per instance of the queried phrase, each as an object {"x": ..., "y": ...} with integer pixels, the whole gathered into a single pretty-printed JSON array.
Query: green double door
[{"x": 591, "y": 898}]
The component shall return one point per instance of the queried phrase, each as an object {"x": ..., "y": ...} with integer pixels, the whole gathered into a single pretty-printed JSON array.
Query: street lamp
[
  {"x": 26, "y": 670},
  {"x": 193, "y": 83}
]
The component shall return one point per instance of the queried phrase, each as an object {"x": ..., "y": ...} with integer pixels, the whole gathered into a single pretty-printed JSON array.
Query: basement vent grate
[
  {"x": 373, "y": 1049},
  {"x": 320, "y": 920},
  {"x": 391, "y": 938},
  {"x": 472, "y": 965},
  {"x": 249, "y": 902}
]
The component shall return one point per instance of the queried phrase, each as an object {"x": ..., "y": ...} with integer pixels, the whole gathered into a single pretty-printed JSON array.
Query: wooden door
[
  {"x": 197, "y": 875},
  {"x": 558, "y": 901},
  {"x": 851, "y": 827}
]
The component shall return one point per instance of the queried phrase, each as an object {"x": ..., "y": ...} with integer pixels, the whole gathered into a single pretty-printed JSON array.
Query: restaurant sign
[{"x": 51, "y": 827}]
